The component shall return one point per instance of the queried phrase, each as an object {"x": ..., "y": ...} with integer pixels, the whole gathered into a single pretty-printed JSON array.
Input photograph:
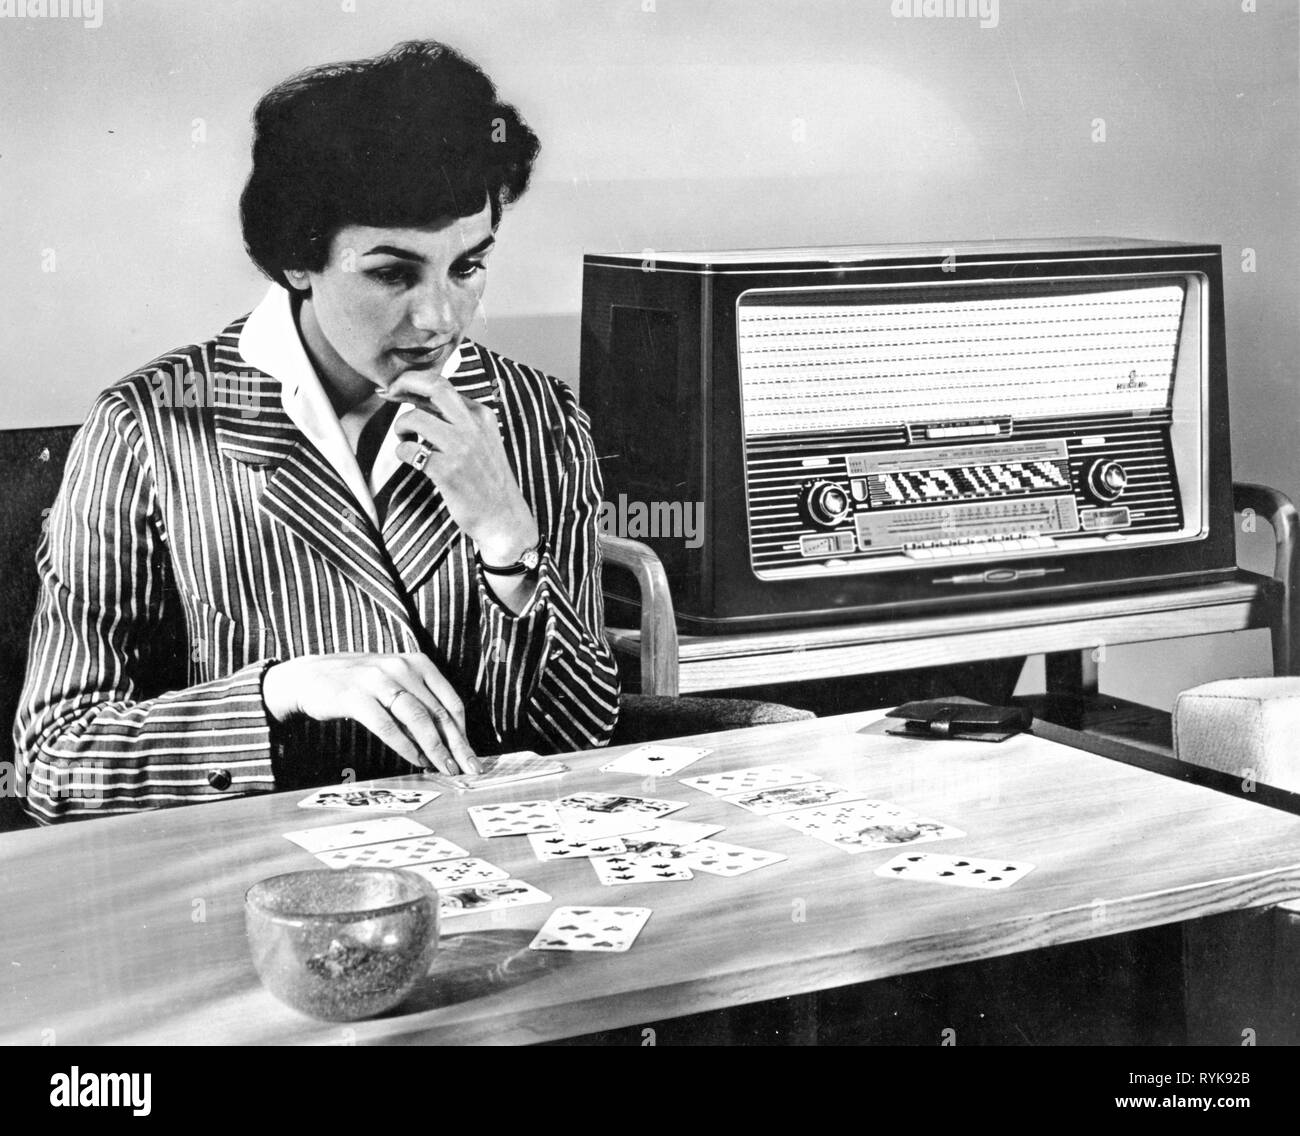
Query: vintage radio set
[{"x": 819, "y": 434}]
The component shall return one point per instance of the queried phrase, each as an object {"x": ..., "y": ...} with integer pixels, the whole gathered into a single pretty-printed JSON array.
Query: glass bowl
[{"x": 342, "y": 944}]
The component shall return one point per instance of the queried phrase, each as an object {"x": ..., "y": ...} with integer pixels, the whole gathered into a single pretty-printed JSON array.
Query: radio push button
[{"x": 825, "y": 503}]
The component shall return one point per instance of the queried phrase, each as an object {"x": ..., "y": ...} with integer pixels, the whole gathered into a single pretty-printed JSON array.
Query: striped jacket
[{"x": 198, "y": 537}]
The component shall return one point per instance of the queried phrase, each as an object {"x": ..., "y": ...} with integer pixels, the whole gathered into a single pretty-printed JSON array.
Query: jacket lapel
[{"x": 303, "y": 491}]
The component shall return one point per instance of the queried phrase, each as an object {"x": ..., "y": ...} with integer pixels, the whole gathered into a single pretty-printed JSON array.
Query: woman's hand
[
  {"x": 402, "y": 699},
  {"x": 467, "y": 462}
]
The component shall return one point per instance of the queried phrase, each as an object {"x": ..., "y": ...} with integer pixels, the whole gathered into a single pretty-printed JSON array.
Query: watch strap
[{"x": 529, "y": 561}]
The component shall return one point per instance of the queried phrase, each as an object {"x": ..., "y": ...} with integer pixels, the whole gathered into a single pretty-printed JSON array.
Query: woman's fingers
[
  {"x": 421, "y": 723},
  {"x": 453, "y": 738},
  {"x": 438, "y": 686},
  {"x": 404, "y": 700},
  {"x": 425, "y": 441},
  {"x": 375, "y": 717},
  {"x": 428, "y": 393},
  {"x": 434, "y": 714},
  {"x": 438, "y": 432},
  {"x": 415, "y": 454}
]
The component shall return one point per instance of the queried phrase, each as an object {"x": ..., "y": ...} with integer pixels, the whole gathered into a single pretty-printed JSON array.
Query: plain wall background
[{"x": 673, "y": 123}]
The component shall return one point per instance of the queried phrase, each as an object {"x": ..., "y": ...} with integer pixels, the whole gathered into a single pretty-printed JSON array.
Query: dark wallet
[{"x": 939, "y": 718}]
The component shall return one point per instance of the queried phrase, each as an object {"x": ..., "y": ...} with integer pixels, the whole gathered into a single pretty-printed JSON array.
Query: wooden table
[{"x": 130, "y": 930}]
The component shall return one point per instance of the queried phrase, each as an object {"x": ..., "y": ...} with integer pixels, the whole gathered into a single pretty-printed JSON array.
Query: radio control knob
[
  {"x": 826, "y": 503},
  {"x": 1107, "y": 480}
]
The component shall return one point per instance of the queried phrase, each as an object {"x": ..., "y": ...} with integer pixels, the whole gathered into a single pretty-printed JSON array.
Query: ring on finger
[
  {"x": 393, "y": 698},
  {"x": 421, "y": 458}
]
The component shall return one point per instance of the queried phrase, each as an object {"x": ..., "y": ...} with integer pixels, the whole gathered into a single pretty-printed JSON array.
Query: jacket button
[{"x": 219, "y": 779}]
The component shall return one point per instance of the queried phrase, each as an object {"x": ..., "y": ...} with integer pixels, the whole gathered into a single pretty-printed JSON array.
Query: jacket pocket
[{"x": 219, "y": 644}]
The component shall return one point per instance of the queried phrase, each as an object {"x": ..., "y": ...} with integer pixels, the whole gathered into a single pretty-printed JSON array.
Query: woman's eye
[
  {"x": 467, "y": 268},
  {"x": 391, "y": 276}
]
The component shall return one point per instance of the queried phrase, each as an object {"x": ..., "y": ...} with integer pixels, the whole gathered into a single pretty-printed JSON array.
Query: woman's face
[{"x": 393, "y": 300}]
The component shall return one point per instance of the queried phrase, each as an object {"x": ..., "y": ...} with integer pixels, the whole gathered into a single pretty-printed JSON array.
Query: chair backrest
[{"x": 31, "y": 468}]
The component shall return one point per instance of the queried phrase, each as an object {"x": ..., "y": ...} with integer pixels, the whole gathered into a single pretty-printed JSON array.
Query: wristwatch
[{"x": 529, "y": 561}]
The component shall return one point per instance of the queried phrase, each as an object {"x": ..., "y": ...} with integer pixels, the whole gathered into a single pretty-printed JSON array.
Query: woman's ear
[{"x": 298, "y": 280}]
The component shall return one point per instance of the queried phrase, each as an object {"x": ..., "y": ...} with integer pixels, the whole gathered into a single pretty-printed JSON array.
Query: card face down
[
  {"x": 509, "y": 768},
  {"x": 591, "y": 929},
  {"x": 955, "y": 871}
]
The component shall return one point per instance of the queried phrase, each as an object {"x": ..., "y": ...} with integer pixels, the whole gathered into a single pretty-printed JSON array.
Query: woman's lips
[{"x": 419, "y": 358}]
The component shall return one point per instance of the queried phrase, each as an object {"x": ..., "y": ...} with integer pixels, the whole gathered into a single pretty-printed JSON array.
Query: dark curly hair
[{"x": 407, "y": 139}]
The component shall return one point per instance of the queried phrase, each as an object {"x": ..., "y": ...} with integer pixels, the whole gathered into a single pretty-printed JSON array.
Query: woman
[{"x": 337, "y": 540}]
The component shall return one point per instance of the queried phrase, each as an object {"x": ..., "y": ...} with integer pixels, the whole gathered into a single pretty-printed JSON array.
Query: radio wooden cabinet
[{"x": 880, "y": 433}]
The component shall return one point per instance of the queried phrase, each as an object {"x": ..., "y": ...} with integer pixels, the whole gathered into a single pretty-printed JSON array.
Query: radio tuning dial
[
  {"x": 826, "y": 503},
  {"x": 1107, "y": 480}
]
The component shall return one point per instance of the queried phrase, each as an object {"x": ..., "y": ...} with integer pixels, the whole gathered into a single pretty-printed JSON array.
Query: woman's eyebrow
[
  {"x": 406, "y": 254},
  {"x": 483, "y": 245},
  {"x": 392, "y": 250}
]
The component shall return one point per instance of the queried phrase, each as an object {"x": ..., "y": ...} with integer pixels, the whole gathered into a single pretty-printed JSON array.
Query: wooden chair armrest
[
  {"x": 1276, "y": 508},
  {"x": 658, "y": 620}
]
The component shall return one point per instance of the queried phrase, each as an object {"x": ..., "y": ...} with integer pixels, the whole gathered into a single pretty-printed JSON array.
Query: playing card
[
  {"x": 956, "y": 871},
  {"x": 579, "y": 824},
  {"x": 635, "y": 846},
  {"x": 509, "y": 767},
  {"x": 348, "y": 797},
  {"x": 450, "y": 873},
  {"x": 556, "y": 846},
  {"x": 815, "y": 820},
  {"x": 648, "y": 869},
  {"x": 357, "y": 832},
  {"x": 788, "y": 797},
  {"x": 672, "y": 832},
  {"x": 749, "y": 780},
  {"x": 591, "y": 816},
  {"x": 865, "y": 826},
  {"x": 394, "y": 853},
  {"x": 517, "y": 818},
  {"x": 721, "y": 859},
  {"x": 655, "y": 760},
  {"x": 647, "y": 808},
  {"x": 590, "y": 929},
  {"x": 488, "y": 897},
  {"x": 894, "y": 834}
]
